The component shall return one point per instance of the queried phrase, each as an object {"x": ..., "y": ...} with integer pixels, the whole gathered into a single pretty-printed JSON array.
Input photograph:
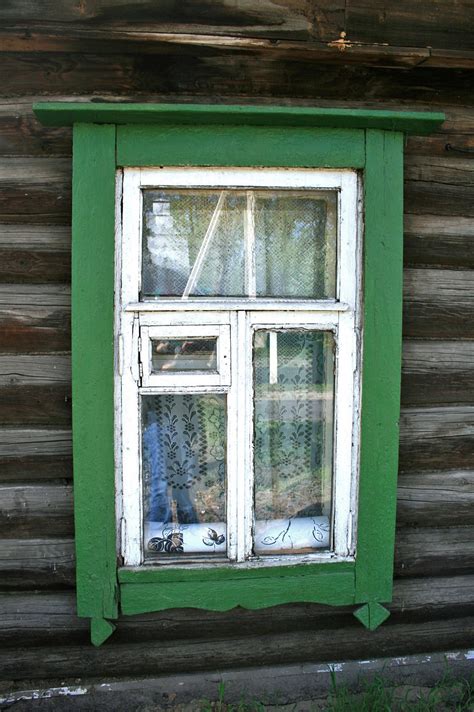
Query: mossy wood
[{"x": 225, "y": 136}]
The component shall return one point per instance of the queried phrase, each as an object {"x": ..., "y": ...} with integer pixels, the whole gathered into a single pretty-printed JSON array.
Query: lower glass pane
[
  {"x": 293, "y": 440},
  {"x": 184, "y": 475}
]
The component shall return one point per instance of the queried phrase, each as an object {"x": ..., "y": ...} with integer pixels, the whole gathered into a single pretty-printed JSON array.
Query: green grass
[{"x": 376, "y": 695}]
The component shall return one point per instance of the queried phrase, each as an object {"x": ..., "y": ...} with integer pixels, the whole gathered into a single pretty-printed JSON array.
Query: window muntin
[{"x": 337, "y": 316}]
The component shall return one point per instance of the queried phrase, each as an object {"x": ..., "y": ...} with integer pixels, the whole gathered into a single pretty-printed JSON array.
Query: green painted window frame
[{"x": 110, "y": 136}]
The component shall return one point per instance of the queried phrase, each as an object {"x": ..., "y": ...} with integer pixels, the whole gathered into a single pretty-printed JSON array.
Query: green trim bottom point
[
  {"x": 371, "y": 615},
  {"x": 101, "y": 629}
]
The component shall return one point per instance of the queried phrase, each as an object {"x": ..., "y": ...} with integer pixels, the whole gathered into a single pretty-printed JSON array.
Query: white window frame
[{"x": 239, "y": 317}]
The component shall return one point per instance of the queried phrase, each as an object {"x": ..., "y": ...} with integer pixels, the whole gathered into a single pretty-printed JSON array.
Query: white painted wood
[
  {"x": 234, "y": 320},
  {"x": 249, "y": 236},
  {"x": 204, "y": 249},
  {"x": 178, "y": 177},
  {"x": 169, "y": 304},
  {"x": 152, "y": 378},
  {"x": 273, "y": 357}
]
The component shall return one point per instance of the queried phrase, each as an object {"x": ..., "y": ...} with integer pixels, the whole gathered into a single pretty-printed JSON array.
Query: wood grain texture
[
  {"x": 439, "y": 241},
  {"x": 29, "y": 511},
  {"x": 440, "y": 26},
  {"x": 210, "y": 72},
  {"x": 34, "y": 318},
  {"x": 348, "y": 642},
  {"x": 437, "y": 372},
  {"x": 36, "y": 563},
  {"x": 49, "y": 617},
  {"x": 28, "y": 454},
  {"x": 35, "y": 190},
  {"x": 439, "y": 185},
  {"x": 436, "y": 499},
  {"x": 438, "y": 304},
  {"x": 434, "y": 551},
  {"x": 436, "y": 438}
]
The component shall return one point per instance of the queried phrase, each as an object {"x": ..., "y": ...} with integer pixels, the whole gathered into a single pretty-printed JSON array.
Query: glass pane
[
  {"x": 197, "y": 229},
  {"x": 184, "y": 475},
  {"x": 296, "y": 244},
  {"x": 184, "y": 355},
  {"x": 293, "y": 440},
  {"x": 269, "y": 243}
]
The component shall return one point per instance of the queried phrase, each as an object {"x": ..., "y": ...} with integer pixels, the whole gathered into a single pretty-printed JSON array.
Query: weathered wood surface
[
  {"x": 29, "y": 511},
  {"x": 34, "y": 318},
  {"x": 422, "y": 551},
  {"x": 348, "y": 642},
  {"x": 29, "y": 454},
  {"x": 430, "y": 551},
  {"x": 437, "y": 372},
  {"x": 440, "y": 184},
  {"x": 445, "y": 24},
  {"x": 210, "y": 72},
  {"x": 36, "y": 563},
  {"x": 439, "y": 241},
  {"x": 438, "y": 304},
  {"x": 437, "y": 438},
  {"x": 36, "y": 190},
  {"x": 436, "y": 498},
  {"x": 42, "y": 617}
]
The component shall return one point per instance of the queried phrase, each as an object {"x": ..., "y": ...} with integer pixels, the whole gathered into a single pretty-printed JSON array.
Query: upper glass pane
[{"x": 239, "y": 243}]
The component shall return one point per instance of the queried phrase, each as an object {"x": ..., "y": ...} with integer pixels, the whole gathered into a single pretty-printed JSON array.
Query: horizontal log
[
  {"x": 42, "y": 617},
  {"x": 437, "y": 372},
  {"x": 436, "y": 499},
  {"x": 211, "y": 71},
  {"x": 434, "y": 551},
  {"x": 36, "y": 563},
  {"x": 29, "y": 511},
  {"x": 437, "y": 438},
  {"x": 34, "y": 318},
  {"x": 35, "y": 390},
  {"x": 35, "y": 189},
  {"x": 440, "y": 241},
  {"x": 35, "y": 370},
  {"x": 34, "y": 253},
  {"x": 419, "y": 25},
  {"x": 348, "y": 642},
  {"x": 427, "y": 551},
  {"x": 439, "y": 185},
  {"x": 442, "y": 24},
  {"x": 438, "y": 304},
  {"x": 273, "y": 19},
  {"x": 35, "y": 454}
]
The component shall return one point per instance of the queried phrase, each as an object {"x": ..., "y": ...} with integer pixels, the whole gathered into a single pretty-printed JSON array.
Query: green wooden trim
[
  {"x": 165, "y": 574},
  {"x": 65, "y": 113},
  {"x": 101, "y": 629},
  {"x": 239, "y": 146},
  {"x": 332, "y": 588},
  {"x": 93, "y": 226},
  {"x": 371, "y": 615},
  {"x": 383, "y": 255}
]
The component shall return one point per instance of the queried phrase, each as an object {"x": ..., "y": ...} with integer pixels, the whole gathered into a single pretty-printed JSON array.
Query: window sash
[{"x": 243, "y": 316}]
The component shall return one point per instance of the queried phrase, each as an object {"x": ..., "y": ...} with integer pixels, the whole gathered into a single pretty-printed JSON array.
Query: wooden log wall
[{"x": 403, "y": 55}]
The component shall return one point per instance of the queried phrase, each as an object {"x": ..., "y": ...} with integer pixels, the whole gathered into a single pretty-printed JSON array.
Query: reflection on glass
[
  {"x": 184, "y": 354},
  {"x": 293, "y": 440},
  {"x": 265, "y": 243},
  {"x": 184, "y": 473}
]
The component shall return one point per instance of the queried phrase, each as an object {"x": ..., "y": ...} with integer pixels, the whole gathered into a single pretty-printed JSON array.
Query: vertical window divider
[
  {"x": 249, "y": 230},
  {"x": 233, "y": 418}
]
